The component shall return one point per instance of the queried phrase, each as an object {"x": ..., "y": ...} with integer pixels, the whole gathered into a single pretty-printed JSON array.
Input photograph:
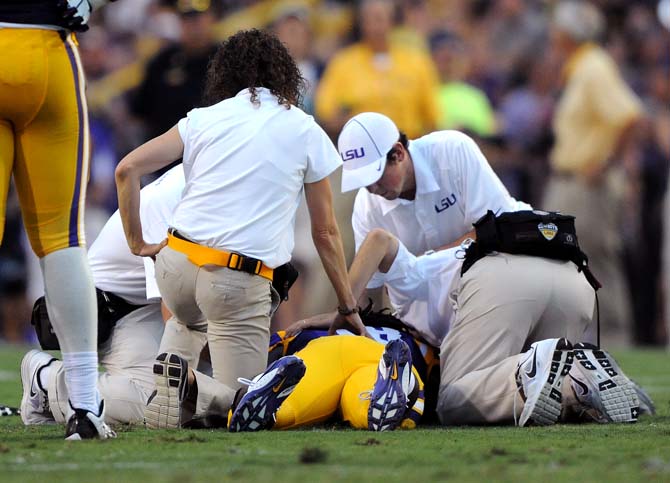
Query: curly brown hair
[{"x": 251, "y": 59}]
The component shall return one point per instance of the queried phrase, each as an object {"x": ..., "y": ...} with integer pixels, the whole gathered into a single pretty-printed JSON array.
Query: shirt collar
[
  {"x": 263, "y": 92},
  {"x": 423, "y": 172},
  {"x": 424, "y": 178}
]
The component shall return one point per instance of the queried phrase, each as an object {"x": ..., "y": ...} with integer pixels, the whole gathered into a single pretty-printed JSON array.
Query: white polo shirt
[
  {"x": 115, "y": 269},
  {"x": 455, "y": 186},
  {"x": 245, "y": 168},
  {"x": 419, "y": 289}
]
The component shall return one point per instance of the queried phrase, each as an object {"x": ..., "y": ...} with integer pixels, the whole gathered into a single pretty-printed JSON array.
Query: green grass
[{"x": 639, "y": 452}]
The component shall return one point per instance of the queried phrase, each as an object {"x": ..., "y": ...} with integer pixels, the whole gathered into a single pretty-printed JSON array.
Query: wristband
[{"x": 347, "y": 311}]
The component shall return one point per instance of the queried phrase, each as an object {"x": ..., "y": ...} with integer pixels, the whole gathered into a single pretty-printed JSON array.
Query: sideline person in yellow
[
  {"x": 377, "y": 75},
  {"x": 593, "y": 125}
]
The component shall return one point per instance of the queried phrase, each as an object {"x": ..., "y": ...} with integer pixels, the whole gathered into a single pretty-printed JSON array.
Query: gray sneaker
[
  {"x": 164, "y": 408},
  {"x": 600, "y": 384}
]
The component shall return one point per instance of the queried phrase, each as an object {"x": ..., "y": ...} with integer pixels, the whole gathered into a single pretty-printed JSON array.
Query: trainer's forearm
[
  {"x": 328, "y": 244},
  {"x": 377, "y": 253},
  {"x": 128, "y": 190},
  {"x": 149, "y": 157}
]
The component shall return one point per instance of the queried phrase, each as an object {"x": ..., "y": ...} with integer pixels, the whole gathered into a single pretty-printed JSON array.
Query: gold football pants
[
  {"x": 339, "y": 370},
  {"x": 44, "y": 139}
]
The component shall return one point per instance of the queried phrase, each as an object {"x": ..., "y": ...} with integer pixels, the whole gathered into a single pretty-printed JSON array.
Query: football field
[{"x": 639, "y": 452}]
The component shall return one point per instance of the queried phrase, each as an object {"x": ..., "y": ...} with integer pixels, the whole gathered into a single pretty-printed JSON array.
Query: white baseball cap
[{"x": 364, "y": 142}]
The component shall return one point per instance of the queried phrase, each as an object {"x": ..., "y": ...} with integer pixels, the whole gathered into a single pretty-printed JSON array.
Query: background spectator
[
  {"x": 595, "y": 127},
  {"x": 462, "y": 106},
  {"x": 376, "y": 74},
  {"x": 174, "y": 78}
]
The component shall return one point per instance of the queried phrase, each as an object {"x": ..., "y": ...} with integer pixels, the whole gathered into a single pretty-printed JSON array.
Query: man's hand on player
[
  {"x": 320, "y": 321},
  {"x": 350, "y": 322}
]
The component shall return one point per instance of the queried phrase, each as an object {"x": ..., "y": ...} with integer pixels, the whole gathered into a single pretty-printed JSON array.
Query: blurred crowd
[{"x": 491, "y": 68}]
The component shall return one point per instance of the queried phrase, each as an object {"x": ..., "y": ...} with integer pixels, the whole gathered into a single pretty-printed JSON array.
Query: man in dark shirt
[{"x": 175, "y": 77}]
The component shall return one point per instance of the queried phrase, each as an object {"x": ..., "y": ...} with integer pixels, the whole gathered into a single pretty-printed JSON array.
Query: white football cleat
[
  {"x": 35, "y": 402},
  {"x": 539, "y": 377},
  {"x": 600, "y": 384},
  {"x": 86, "y": 425}
]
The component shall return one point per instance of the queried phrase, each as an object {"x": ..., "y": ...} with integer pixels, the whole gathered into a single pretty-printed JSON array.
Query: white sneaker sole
[
  {"x": 544, "y": 408},
  {"x": 164, "y": 409},
  {"x": 612, "y": 389}
]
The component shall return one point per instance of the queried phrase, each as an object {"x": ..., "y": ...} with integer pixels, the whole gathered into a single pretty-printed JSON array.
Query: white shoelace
[
  {"x": 516, "y": 423},
  {"x": 245, "y": 381}
]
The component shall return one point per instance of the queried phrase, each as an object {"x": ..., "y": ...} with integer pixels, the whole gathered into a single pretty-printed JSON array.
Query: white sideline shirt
[
  {"x": 115, "y": 269},
  {"x": 245, "y": 168},
  {"x": 455, "y": 186},
  {"x": 420, "y": 290}
]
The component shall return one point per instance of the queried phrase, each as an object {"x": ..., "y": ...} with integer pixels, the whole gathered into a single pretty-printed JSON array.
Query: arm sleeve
[
  {"x": 615, "y": 103},
  {"x": 152, "y": 292},
  {"x": 360, "y": 218},
  {"x": 322, "y": 157},
  {"x": 184, "y": 126},
  {"x": 481, "y": 189},
  {"x": 362, "y": 222}
]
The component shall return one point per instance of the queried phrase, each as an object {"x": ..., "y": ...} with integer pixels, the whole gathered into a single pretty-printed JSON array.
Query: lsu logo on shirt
[
  {"x": 446, "y": 203},
  {"x": 353, "y": 154}
]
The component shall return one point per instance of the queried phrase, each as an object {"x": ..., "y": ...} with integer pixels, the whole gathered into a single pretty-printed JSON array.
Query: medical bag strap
[
  {"x": 597, "y": 320},
  {"x": 582, "y": 262},
  {"x": 488, "y": 240},
  {"x": 486, "y": 229}
]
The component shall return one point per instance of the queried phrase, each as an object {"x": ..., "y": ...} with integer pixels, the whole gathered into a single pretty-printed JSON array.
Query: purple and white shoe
[
  {"x": 267, "y": 391},
  {"x": 395, "y": 381}
]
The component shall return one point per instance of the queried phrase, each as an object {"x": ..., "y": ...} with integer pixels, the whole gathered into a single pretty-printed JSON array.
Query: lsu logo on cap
[
  {"x": 353, "y": 154},
  {"x": 548, "y": 230}
]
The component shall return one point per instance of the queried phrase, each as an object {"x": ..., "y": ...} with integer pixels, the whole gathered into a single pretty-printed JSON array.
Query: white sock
[
  {"x": 81, "y": 379},
  {"x": 72, "y": 307}
]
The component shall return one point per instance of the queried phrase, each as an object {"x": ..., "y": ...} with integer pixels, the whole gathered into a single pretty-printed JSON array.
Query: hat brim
[{"x": 364, "y": 176}]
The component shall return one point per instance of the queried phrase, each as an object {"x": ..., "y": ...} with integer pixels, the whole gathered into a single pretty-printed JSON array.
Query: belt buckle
[
  {"x": 245, "y": 264},
  {"x": 235, "y": 261}
]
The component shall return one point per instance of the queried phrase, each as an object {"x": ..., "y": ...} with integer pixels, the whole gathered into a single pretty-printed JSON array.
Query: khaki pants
[
  {"x": 597, "y": 211},
  {"x": 233, "y": 308},
  {"x": 504, "y": 303},
  {"x": 127, "y": 358}
]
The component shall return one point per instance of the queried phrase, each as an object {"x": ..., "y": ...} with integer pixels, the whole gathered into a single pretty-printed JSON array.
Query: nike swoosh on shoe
[{"x": 533, "y": 371}]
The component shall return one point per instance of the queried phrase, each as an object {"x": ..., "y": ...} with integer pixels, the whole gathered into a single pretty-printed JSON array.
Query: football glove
[{"x": 75, "y": 13}]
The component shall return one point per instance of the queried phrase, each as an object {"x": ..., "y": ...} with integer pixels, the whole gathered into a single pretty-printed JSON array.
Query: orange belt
[{"x": 201, "y": 255}]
